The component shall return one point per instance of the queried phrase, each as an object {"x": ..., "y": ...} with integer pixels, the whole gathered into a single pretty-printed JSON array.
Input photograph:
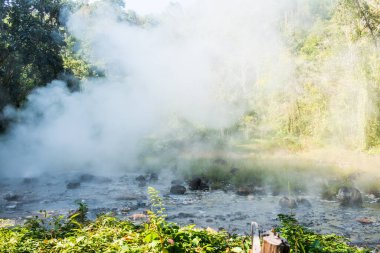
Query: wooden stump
[{"x": 272, "y": 243}]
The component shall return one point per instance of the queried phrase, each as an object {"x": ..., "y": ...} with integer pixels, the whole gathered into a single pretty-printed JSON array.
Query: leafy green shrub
[
  {"x": 303, "y": 240},
  {"x": 109, "y": 234}
]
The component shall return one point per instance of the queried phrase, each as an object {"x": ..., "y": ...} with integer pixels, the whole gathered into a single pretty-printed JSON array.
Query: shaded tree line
[
  {"x": 30, "y": 45},
  {"x": 34, "y": 49}
]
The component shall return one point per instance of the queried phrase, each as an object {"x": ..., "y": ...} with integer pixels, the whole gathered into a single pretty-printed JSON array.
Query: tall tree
[{"x": 30, "y": 45}]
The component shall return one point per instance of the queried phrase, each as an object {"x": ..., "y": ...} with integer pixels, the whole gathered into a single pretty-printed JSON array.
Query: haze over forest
[{"x": 109, "y": 86}]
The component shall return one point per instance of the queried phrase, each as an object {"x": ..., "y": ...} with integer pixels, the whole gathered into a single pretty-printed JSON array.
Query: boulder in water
[
  {"x": 147, "y": 177},
  {"x": 178, "y": 189},
  {"x": 197, "y": 184},
  {"x": 11, "y": 196},
  {"x": 286, "y": 202},
  {"x": 349, "y": 196},
  {"x": 153, "y": 176},
  {"x": 141, "y": 178}
]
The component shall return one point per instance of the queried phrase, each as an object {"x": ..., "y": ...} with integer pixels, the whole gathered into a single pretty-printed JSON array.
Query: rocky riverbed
[{"x": 126, "y": 196}]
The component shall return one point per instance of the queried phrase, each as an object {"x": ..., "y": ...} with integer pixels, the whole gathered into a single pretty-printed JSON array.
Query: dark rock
[
  {"x": 349, "y": 196},
  {"x": 141, "y": 178},
  {"x": 11, "y": 196},
  {"x": 197, "y": 184},
  {"x": 178, "y": 190},
  {"x": 148, "y": 177},
  {"x": 141, "y": 204},
  {"x": 73, "y": 185},
  {"x": 209, "y": 220},
  {"x": 244, "y": 191},
  {"x": 153, "y": 177},
  {"x": 86, "y": 178},
  {"x": 286, "y": 202}
]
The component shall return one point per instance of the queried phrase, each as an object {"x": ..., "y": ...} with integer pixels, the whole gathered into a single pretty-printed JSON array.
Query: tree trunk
[{"x": 274, "y": 244}]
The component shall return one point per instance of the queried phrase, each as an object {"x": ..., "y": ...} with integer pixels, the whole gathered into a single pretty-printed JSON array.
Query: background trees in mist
[{"x": 333, "y": 95}]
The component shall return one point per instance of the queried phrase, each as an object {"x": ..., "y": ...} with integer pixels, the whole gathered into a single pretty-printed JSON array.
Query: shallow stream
[{"x": 216, "y": 209}]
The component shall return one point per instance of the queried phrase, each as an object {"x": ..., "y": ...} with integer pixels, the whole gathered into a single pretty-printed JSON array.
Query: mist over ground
[
  {"x": 220, "y": 66},
  {"x": 191, "y": 62}
]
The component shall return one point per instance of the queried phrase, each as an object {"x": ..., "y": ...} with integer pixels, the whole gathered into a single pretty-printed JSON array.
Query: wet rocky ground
[{"x": 126, "y": 196}]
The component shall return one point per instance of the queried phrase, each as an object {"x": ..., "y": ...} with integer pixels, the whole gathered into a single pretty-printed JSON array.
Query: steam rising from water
[
  {"x": 204, "y": 62},
  {"x": 199, "y": 61}
]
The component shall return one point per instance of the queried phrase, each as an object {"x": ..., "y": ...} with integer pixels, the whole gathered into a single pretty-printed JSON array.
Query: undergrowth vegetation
[
  {"x": 75, "y": 233},
  {"x": 304, "y": 240},
  {"x": 109, "y": 234}
]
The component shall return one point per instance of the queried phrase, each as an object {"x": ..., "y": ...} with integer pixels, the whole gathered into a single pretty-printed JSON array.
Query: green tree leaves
[{"x": 31, "y": 39}]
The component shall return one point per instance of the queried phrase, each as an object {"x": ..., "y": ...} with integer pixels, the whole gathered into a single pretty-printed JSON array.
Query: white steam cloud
[{"x": 200, "y": 61}]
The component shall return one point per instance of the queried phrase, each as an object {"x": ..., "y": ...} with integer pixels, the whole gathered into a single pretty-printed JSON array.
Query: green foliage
[
  {"x": 30, "y": 43},
  {"x": 361, "y": 16},
  {"x": 74, "y": 56},
  {"x": 303, "y": 240},
  {"x": 35, "y": 49},
  {"x": 109, "y": 234},
  {"x": 308, "y": 115}
]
